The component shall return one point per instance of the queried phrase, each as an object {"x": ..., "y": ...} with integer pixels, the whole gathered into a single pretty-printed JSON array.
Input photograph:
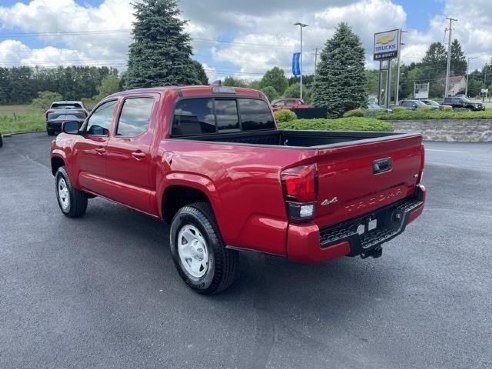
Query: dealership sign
[{"x": 386, "y": 45}]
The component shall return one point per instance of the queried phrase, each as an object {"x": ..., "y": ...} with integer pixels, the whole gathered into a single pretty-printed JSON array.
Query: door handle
[
  {"x": 100, "y": 150},
  {"x": 138, "y": 155}
]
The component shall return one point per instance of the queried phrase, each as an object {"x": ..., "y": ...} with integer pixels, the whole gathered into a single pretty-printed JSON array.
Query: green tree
[
  {"x": 458, "y": 60},
  {"x": 275, "y": 77},
  {"x": 293, "y": 90},
  {"x": 255, "y": 85},
  {"x": 22, "y": 86},
  {"x": 200, "y": 72},
  {"x": 4, "y": 86},
  {"x": 234, "y": 82},
  {"x": 372, "y": 82},
  {"x": 270, "y": 92},
  {"x": 434, "y": 63},
  {"x": 436, "y": 56},
  {"x": 160, "y": 54},
  {"x": 339, "y": 84},
  {"x": 45, "y": 98},
  {"x": 109, "y": 85}
]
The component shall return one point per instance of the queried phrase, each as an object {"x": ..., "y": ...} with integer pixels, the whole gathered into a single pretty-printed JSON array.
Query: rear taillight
[
  {"x": 421, "y": 172},
  {"x": 300, "y": 190},
  {"x": 300, "y": 183}
]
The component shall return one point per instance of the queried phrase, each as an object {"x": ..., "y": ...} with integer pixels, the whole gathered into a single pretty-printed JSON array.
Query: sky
[{"x": 240, "y": 38}]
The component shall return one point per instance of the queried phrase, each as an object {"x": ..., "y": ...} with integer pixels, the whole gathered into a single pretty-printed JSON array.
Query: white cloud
[
  {"x": 252, "y": 36},
  {"x": 276, "y": 37},
  {"x": 211, "y": 72},
  {"x": 99, "y": 35},
  {"x": 11, "y": 52}
]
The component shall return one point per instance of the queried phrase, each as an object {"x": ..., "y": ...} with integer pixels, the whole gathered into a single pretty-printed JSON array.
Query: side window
[
  {"x": 193, "y": 117},
  {"x": 99, "y": 122},
  {"x": 255, "y": 114},
  {"x": 134, "y": 117},
  {"x": 227, "y": 117}
]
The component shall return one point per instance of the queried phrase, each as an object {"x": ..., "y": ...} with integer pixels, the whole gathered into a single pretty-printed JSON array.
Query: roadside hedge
[
  {"x": 434, "y": 114},
  {"x": 340, "y": 124}
]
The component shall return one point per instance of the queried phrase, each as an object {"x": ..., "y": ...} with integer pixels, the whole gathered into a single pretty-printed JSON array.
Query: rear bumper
[
  {"x": 308, "y": 243},
  {"x": 54, "y": 125},
  {"x": 57, "y": 125}
]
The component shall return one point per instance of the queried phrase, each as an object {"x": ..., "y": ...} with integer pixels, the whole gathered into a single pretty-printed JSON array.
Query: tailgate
[{"x": 357, "y": 179}]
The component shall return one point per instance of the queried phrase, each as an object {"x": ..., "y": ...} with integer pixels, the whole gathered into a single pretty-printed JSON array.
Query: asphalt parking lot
[{"x": 102, "y": 291}]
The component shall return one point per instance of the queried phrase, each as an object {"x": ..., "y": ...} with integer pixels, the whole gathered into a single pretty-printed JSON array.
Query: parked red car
[
  {"x": 289, "y": 103},
  {"x": 209, "y": 160}
]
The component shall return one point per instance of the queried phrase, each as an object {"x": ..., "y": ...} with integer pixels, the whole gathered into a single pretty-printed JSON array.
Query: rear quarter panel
[{"x": 242, "y": 183}]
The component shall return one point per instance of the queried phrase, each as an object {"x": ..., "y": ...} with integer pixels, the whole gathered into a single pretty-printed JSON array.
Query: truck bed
[{"x": 294, "y": 138}]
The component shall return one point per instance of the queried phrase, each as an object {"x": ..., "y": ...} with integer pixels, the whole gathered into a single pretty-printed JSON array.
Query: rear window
[
  {"x": 255, "y": 114},
  {"x": 194, "y": 117},
  {"x": 66, "y": 106},
  {"x": 210, "y": 115}
]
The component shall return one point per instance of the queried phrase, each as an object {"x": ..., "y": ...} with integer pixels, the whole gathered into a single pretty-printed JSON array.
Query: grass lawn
[{"x": 21, "y": 118}]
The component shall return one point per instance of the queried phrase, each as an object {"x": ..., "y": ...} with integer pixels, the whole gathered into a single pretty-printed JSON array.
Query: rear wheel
[
  {"x": 199, "y": 252},
  {"x": 50, "y": 131},
  {"x": 72, "y": 202}
]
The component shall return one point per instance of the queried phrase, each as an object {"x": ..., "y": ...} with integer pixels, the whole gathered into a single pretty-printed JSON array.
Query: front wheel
[
  {"x": 199, "y": 252},
  {"x": 50, "y": 131},
  {"x": 72, "y": 202}
]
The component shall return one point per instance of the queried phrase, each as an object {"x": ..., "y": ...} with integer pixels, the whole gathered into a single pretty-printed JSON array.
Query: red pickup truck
[{"x": 210, "y": 161}]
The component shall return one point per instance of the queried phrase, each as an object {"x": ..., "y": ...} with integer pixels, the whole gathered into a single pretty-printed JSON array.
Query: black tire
[
  {"x": 1, "y": 140},
  {"x": 72, "y": 202},
  {"x": 221, "y": 263},
  {"x": 50, "y": 131}
]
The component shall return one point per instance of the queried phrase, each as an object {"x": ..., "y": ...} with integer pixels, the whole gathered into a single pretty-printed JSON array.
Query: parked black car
[
  {"x": 462, "y": 102},
  {"x": 415, "y": 104}
]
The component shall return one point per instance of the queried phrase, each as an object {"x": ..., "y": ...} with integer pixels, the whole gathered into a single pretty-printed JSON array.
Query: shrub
[
  {"x": 435, "y": 114},
  {"x": 284, "y": 115},
  {"x": 45, "y": 98},
  {"x": 354, "y": 113},
  {"x": 340, "y": 124}
]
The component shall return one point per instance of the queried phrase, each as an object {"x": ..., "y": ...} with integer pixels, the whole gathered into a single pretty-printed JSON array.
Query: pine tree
[
  {"x": 340, "y": 79},
  {"x": 160, "y": 54},
  {"x": 200, "y": 73},
  {"x": 458, "y": 59}
]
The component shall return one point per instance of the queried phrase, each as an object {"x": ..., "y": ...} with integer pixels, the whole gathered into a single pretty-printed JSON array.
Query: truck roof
[
  {"x": 195, "y": 91},
  {"x": 67, "y": 102}
]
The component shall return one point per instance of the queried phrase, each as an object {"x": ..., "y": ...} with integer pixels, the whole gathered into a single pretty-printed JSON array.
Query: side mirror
[{"x": 71, "y": 127}]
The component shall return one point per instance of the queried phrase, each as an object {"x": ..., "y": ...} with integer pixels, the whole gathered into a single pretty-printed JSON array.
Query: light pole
[
  {"x": 301, "y": 26},
  {"x": 468, "y": 74},
  {"x": 448, "y": 66}
]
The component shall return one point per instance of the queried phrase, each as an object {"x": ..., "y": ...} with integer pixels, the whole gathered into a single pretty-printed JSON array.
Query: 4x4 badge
[{"x": 327, "y": 202}]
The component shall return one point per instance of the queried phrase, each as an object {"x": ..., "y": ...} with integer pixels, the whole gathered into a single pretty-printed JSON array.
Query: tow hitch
[{"x": 375, "y": 252}]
